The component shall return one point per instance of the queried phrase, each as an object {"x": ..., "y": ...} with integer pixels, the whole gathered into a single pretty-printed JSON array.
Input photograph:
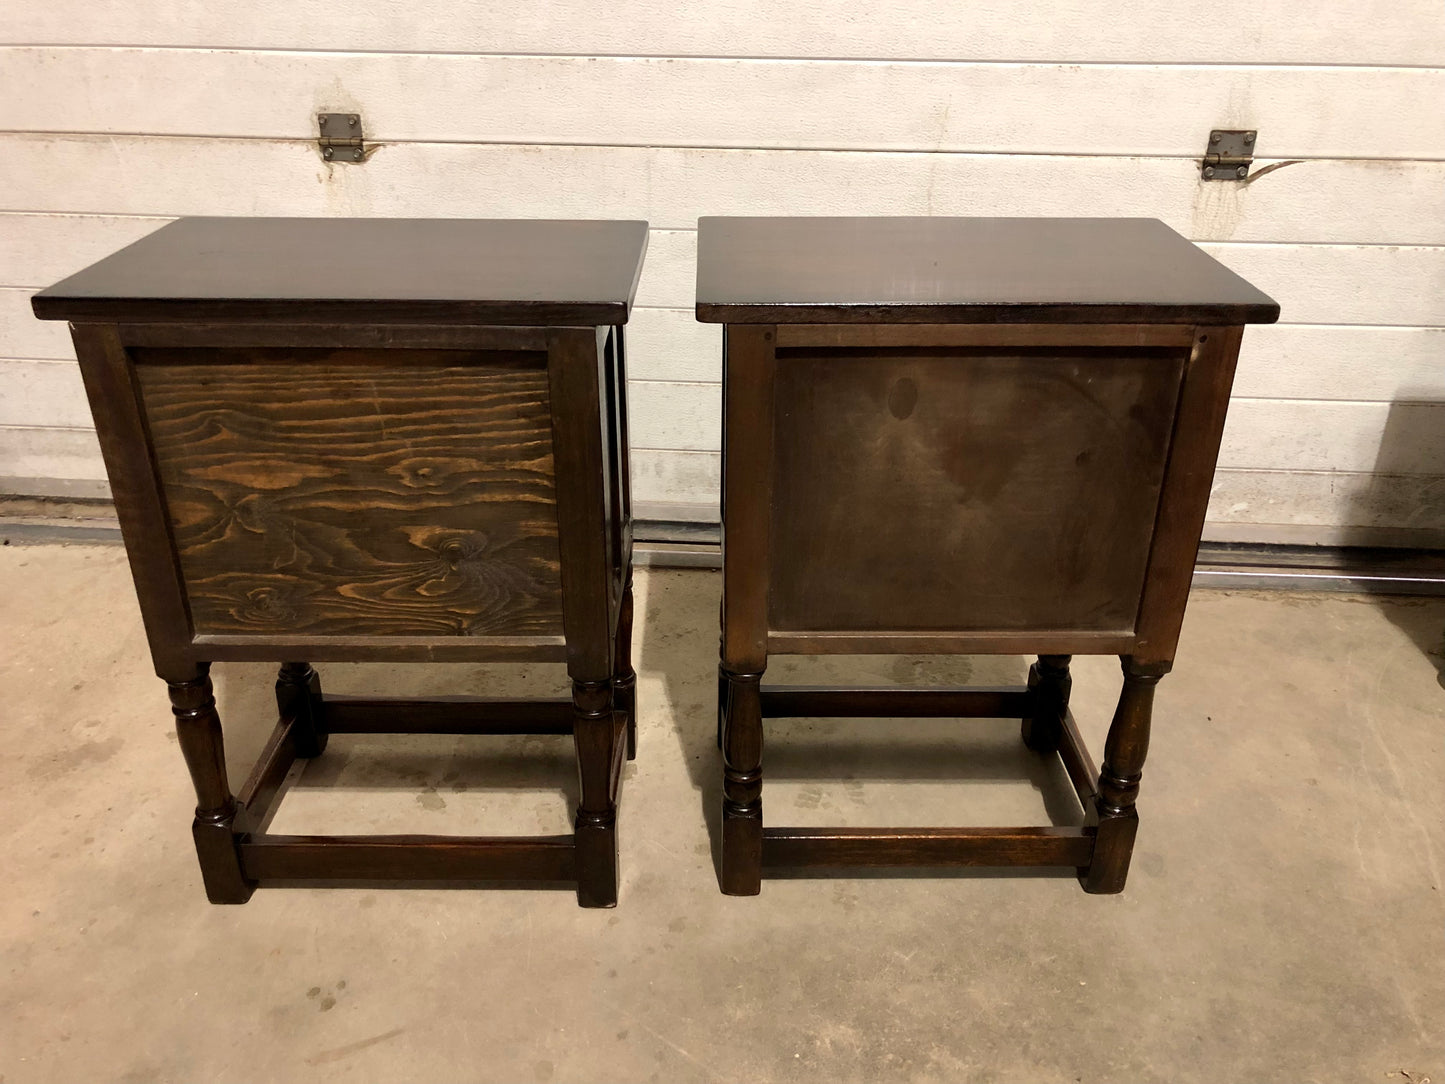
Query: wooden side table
[
  {"x": 961, "y": 436},
  {"x": 367, "y": 440}
]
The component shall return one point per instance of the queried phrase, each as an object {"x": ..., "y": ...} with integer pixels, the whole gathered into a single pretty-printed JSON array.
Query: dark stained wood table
[
  {"x": 961, "y": 435},
  {"x": 368, "y": 440}
]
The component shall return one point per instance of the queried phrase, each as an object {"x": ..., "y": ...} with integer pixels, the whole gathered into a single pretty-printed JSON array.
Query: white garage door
[{"x": 115, "y": 116}]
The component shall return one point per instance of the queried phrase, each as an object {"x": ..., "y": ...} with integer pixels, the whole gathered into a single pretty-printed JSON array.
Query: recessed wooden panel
[
  {"x": 967, "y": 489},
  {"x": 356, "y": 493}
]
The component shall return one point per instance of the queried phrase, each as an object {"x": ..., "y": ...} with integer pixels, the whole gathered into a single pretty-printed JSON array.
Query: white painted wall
[{"x": 116, "y": 115}]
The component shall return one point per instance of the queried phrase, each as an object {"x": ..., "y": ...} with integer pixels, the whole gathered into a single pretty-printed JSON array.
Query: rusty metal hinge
[
  {"x": 340, "y": 139},
  {"x": 1229, "y": 155}
]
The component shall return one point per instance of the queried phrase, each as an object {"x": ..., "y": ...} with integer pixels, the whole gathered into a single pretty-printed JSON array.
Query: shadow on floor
[
  {"x": 1423, "y": 620},
  {"x": 1406, "y": 491}
]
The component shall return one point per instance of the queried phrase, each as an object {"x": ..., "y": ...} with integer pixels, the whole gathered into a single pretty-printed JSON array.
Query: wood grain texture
[
  {"x": 312, "y": 496},
  {"x": 967, "y": 490},
  {"x": 1261, "y": 31}
]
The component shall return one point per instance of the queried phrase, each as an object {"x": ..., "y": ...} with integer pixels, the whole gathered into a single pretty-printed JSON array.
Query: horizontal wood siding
[
  {"x": 119, "y": 117},
  {"x": 1244, "y": 31}
]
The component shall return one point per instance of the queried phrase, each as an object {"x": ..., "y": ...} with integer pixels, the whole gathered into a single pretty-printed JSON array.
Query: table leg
[
  {"x": 1124, "y": 752},
  {"x": 624, "y": 677},
  {"x": 1049, "y": 686},
  {"x": 722, "y": 703},
  {"x": 298, "y": 694},
  {"x": 595, "y": 735},
  {"x": 198, "y": 729},
  {"x": 742, "y": 823}
]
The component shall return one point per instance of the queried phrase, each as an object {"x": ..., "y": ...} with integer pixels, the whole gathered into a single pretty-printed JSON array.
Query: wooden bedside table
[
  {"x": 956, "y": 435},
  {"x": 368, "y": 440}
]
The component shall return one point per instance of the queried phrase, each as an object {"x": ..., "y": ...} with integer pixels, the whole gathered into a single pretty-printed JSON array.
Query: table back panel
[
  {"x": 970, "y": 489},
  {"x": 371, "y": 493}
]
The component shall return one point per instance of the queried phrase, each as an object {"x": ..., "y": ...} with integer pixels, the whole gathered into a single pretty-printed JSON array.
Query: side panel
[{"x": 358, "y": 493}]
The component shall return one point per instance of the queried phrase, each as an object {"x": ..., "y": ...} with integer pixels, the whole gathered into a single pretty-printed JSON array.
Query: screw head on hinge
[
  {"x": 1249, "y": 137},
  {"x": 326, "y": 154},
  {"x": 1214, "y": 137},
  {"x": 1242, "y": 172},
  {"x": 356, "y": 155},
  {"x": 1209, "y": 171},
  {"x": 351, "y": 120}
]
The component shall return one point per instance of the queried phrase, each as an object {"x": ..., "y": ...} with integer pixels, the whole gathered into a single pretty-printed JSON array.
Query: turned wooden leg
[
  {"x": 624, "y": 677},
  {"x": 595, "y": 733},
  {"x": 1049, "y": 685},
  {"x": 198, "y": 729},
  {"x": 298, "y": 694},
  {"x": 1124, "y": 752},
  {"x": 722, "y": 684},
  {"x": 722, "y": 703},
  {"x": 742, "y": 822}
]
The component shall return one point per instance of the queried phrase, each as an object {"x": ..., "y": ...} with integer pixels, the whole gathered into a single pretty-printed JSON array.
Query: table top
[
  {"x": 374, "y": 270},
  {"x": 964, "y": 270}
]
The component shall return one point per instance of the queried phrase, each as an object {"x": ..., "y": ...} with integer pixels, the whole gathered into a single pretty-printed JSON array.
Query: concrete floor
[{"x": 1284, "y": 919}]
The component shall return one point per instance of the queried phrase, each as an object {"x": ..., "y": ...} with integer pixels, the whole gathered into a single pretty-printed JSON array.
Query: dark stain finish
[
  {"x": 1019, "y": 492},
  {"x": 964, "y": 270},
  {"x": 371, "y": 441},
  {"x": 402, "y": 270},
  {"x": 313, "y": 496},
  {"x": 960, "y": 436}
]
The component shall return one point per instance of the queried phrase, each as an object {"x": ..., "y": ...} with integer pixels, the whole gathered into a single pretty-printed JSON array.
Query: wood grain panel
[
  {"x": 967, "y": 489},
  {"x": 311, "y": 496}
]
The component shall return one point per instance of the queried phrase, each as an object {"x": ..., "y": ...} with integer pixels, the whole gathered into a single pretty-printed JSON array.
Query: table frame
[
  {"x": 587, "y": 376},
  {"x": 1100, "y": 849}
]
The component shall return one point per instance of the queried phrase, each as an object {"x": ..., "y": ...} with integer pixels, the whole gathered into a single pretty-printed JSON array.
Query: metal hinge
[
  {"x": 341, "y": 137},
  {"x": 1229, "y": 155}
]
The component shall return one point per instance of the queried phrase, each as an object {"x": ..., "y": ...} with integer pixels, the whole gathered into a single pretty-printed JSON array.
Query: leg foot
[
  {"x": 595, "y": 733},
  {"x": 1049, "y": 686},
  {"x": 298, "y": 693},
  {"x": 1124, "y": 753},
  {"x": 742, "y": 821},
  {"x": 198, "y": 730}
]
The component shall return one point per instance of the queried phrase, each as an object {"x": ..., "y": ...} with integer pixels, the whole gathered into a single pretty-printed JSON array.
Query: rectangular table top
[
  {"x": 964, "y": 270},
  {"x": 367, "y": 270}
]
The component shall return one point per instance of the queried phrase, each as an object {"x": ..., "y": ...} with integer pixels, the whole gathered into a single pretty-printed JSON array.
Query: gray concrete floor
[{"x": 1284, "y": 919}]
